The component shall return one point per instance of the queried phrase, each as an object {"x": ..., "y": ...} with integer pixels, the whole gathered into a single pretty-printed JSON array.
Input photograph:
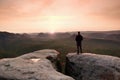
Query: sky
[{"x": 29, "y": 16}]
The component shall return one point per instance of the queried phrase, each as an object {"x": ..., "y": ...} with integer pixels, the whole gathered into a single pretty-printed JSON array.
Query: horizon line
[{"x": 60, "y": 31}]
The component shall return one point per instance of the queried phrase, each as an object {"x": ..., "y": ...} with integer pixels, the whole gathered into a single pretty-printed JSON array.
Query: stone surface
[
  {"x": 38, "y": 65},
  {"x": 89, "y": 66}
]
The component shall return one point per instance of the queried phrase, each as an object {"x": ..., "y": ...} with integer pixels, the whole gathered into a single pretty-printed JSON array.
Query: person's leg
[
  {"x": 81, "y": 47},
  {"x": 78, "y": 49}
]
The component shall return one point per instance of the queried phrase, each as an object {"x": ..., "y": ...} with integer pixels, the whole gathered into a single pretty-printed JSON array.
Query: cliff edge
[
  {"x": 89, "y": 66},
  {"x": 38, "y": 65}
]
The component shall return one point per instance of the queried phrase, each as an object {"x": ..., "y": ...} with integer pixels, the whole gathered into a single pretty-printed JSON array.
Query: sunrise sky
[{"x": 59, "y": 15}]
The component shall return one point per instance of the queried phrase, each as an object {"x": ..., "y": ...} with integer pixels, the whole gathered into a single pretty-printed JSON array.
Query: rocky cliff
[
  {"x": 44, "y": 65},
  {"x": 38, "y": 65},
  {"x": 89, "y": 66}
]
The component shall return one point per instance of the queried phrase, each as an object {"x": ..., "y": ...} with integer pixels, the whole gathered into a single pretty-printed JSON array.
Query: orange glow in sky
[{"x": 59, "y": 15}]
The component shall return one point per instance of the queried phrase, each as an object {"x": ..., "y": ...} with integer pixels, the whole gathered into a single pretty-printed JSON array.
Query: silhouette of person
[{"x": 79, "y": 39}]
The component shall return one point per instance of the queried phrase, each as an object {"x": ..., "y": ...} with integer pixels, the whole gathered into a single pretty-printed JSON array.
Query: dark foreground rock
[
  {"x": 89, "y": 66},
  {"x": 38, "y": 65}
]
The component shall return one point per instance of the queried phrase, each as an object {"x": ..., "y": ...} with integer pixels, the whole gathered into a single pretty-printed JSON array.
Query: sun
[
  {"x": 54, "y": 23},
  {"x": 52, "y": 32}
]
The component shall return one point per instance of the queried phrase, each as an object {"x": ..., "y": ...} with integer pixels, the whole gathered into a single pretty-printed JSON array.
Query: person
[{"x": 79, "y": 39}]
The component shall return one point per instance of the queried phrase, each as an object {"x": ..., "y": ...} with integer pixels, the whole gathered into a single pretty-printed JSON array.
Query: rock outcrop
[
  {"x": 38, "y": 65},
  {"x": 89, "y": 66}
]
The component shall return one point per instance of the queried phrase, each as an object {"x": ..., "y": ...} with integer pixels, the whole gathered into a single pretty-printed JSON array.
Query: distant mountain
[
  {"x": 107, "y": 35},
  {"x": 104, "y": 42},
  {"x": 6, "y": 35}
]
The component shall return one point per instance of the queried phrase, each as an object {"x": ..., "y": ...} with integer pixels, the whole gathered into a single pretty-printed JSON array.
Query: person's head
[{"x": 79, "y": 33}]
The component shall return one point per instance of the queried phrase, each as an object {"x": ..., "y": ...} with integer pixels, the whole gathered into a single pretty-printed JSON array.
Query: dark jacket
[{"x": 79, "y": 38}]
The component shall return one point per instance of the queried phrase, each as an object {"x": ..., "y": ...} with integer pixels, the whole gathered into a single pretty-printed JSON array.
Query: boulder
[
  {"x": 38, "y": 65},
  {"x": 88, "y": 66}
]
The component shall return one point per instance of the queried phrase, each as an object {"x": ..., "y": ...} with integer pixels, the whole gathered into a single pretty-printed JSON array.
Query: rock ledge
[
  {"x": 89, "y": 66},
  {"x": 31, "y": 66}
]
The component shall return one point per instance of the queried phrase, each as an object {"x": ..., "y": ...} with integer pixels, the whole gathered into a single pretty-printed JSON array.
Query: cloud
[
  {"x": 22, "y": 8},
  {"x": 111, "y": 12},
  {"x": 28, "y": 8},
  {"x": 37, "y": 13},
  {"x": 107, "y": 8}
]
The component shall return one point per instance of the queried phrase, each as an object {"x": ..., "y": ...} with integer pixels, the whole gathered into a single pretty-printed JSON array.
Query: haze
[{"x": 59, "y": 15}]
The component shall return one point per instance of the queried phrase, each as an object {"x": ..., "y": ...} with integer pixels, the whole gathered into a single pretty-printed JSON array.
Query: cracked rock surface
[
  {"x": 89, "y": 66},
  {"x": 31, "y": 66}
]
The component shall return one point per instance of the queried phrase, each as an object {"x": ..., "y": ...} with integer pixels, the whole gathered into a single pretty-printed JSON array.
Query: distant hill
[
  {"x": 99, "y": 42},
  {"x": 107, "y": 35}
]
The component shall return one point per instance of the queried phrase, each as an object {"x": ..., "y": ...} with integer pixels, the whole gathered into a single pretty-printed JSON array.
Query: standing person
[{"x": 79, "y": 39}]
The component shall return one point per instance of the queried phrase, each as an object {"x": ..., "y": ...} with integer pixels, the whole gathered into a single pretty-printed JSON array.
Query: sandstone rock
[
  {"x": 89, "y": 66},
  {"x": 31, "y": 66}
]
